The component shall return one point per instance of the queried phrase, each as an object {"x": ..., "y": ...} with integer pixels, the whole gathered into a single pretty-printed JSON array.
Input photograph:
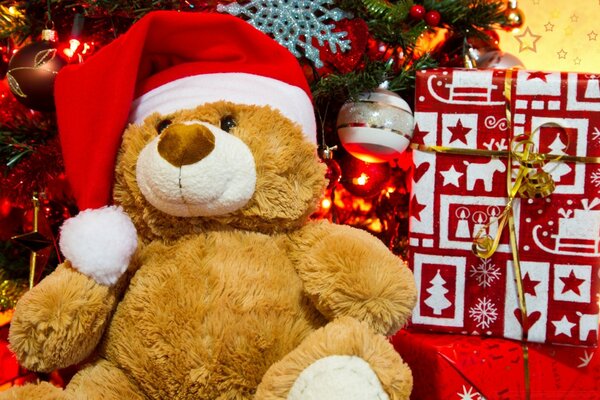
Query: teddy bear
[{"x": 194, "y": 270}]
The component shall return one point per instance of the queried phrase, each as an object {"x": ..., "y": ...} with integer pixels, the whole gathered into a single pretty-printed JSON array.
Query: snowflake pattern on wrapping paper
[
  {"x": 469, "y": 394},
  {"x": 596, "y": 178},
  {"x": 484, "y": 313},
  {"x": 485, "y": 273},
  {"x": 596, "y": 135},
  {"x": 294, "y": 24}
]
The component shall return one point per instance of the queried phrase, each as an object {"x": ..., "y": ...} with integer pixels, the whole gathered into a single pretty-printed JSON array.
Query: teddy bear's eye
[
  {"x": 228, "y": 123},
  {"x": 162, "y": 125}
]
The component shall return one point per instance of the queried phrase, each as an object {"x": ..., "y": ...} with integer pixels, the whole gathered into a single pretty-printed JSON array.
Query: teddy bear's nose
[{"x": 181, "y": 144}]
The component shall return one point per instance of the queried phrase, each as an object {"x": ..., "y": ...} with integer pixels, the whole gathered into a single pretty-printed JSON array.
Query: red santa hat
[{"x": 165, "y": 62}]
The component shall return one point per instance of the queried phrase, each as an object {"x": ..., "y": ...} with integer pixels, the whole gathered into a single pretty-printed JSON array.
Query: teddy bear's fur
[{"x": 232, "y": 306}]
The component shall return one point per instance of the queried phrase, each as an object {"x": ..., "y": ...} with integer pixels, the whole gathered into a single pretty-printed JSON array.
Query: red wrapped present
[
  {"x": 9, "y": 367},
  {"x": 447, "y": 366},
  {"x": 463, "y": 139}
]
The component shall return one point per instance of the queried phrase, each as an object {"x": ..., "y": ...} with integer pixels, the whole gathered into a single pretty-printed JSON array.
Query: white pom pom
[{"x": 99, "y": 243}]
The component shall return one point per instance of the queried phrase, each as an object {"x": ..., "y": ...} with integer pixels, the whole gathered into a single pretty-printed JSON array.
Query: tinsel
[{"x": 10, "y": 291}]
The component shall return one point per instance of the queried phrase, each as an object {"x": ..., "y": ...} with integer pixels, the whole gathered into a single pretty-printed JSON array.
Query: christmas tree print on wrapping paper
[{"x": 465, "y": 110}]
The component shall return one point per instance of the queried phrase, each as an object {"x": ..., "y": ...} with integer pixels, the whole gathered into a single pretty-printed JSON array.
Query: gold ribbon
[{"x": 531, "y": 182}]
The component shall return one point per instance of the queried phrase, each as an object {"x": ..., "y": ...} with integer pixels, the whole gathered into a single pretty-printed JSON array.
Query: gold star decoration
[
  {"x": 549, "y": 27},
  {"x": 527, "y": 40},
  {"x": 592, "y": 36},
  {"x": 562, "y": 54},
  {"x": 34, "y": 241}
]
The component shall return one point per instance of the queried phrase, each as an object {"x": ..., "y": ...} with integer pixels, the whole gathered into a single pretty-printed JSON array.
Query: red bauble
[
  {"x": 417, "y": 12},
  {"x": 3, "y": 67},
  {"x": 363, "y": 179},
  {"x": 433, "y": 18},
  {"x": 334, "y": 172},
  {"x": 31, "y": 74}
]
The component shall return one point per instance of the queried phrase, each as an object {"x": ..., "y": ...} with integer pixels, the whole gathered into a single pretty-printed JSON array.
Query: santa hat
[{"x": 165, "y": 62}]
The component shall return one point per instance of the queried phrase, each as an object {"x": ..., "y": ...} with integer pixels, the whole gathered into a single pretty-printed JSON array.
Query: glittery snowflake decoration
[
  {"x": 485, "y": 273},
  {"x": 484, "y": 313},
  {"x": 294, "y": 24}
]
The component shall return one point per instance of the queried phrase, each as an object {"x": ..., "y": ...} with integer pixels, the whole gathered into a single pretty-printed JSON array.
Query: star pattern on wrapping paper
[
  {"x": 592, "y": 36},
  {"x": 459, "y": 132},
  {"x": 549, "y": 26},
  {"x": 529, "y": 284},
  {"x": 527, "y": 40},
  {"x": 418, "y": 132},
  {"x": 451, "y": 176},
  {"x": 537, "y": 75},
  {"x": 577, "y": 61},
  {"x": 416, "y": 208},
  {"x": 563, "y": 326},
  {"x": 562, "y": 54},
  {"x": 574, "y": 17},
  {"x": 572, "y": 283}
]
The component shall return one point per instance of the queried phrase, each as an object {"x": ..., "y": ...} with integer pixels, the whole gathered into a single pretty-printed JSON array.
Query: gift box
[
  {"x": 447, "y": 366},
  {"x": 476, "y": 131}
]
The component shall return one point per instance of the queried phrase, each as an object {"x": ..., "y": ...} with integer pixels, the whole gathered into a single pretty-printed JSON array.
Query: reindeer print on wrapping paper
[{"x": 484, "y": 172}]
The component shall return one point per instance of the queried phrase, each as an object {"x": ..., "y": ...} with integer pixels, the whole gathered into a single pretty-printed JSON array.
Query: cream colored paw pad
[{"x": 338, "y": 377}]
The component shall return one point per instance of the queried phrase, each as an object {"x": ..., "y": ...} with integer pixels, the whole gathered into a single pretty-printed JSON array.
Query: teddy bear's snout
[{"x": 182, "y": 144}]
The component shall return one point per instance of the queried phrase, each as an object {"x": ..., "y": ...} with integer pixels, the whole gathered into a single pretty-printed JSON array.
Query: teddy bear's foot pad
[
  {"x": 338, "y": 377},
  {"x": 343, "y": 360}
]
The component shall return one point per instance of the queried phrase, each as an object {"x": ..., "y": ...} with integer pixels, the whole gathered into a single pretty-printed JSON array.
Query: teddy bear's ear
[
  {"x": 166, "y": 62},
  {"x": 99, "y": 243}
]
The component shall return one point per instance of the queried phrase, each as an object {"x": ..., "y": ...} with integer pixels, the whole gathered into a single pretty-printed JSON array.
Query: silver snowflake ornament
[{"x": 295, "y": 24}]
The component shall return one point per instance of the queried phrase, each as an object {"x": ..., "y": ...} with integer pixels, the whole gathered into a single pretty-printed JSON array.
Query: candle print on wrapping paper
[{"x": 455, "y": 196}]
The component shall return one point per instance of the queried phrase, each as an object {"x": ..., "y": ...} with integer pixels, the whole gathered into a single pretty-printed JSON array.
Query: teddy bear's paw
[
  {"x": 345, "y": 359},
  {"x": 99, "y": 243},
  {"x": 338, "y": 377},
  {"x": 41, "y": 391}
]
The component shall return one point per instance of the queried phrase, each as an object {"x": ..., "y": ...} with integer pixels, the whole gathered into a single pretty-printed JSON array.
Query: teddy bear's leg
[
  {"x": 102, "y": 381},
  {"x": 40, "y": 391},
  {"x": 343, "y": 360}
]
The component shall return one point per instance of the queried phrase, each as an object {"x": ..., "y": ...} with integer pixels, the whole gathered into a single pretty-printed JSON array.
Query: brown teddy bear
[{"x": 206, "y": 279}]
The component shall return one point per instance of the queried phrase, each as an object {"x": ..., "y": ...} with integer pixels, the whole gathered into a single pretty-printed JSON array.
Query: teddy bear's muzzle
[{"x": 182, "y": 144}]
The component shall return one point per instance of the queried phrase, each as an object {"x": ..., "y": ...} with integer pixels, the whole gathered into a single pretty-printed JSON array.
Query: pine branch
[
  {"x": 340, "y": 87},
  {"x": 12, "y": 21}
]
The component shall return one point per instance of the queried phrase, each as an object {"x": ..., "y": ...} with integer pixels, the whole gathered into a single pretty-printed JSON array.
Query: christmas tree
[{"x": 350, "y": 50}]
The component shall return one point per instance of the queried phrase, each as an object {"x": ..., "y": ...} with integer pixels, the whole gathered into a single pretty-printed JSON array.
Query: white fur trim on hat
[
  {"x": 99, "y": 243},
  {"x": 241, "y": 88}
]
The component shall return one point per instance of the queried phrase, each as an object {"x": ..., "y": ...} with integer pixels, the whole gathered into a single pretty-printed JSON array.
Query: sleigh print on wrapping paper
[
  {"x": 578, "y": 235},
  {"x": 466, "y": 87}
]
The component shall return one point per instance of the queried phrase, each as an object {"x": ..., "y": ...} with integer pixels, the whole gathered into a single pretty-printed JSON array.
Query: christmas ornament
[
  {"x": 514, "y": 16},
  {"x": 377, "y": 127},
  {"x": 417, "y": 11},
  {"x": 363, "y": 179},
  {"x": 498, "y": 59},
  {"x": 433, "y": 18},
  {"x": 32, "y": 70},
  {"x": 3, "y": 66},
  {"x": 35, "y": 241},
  {"x": 358, "y": 34},
  {"x": 295, "y": 24},
  {"x": 334, "y": 171}
]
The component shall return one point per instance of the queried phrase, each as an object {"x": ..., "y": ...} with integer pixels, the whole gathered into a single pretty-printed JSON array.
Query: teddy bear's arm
[
  {"x": 349, "y": 272},
  {"x": 61, "y": 320}
]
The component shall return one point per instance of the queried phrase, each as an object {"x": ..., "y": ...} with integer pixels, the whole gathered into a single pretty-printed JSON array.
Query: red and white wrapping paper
[
  {"x": 453, "y": 196},
  {"x": 448, "y": 367}
]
